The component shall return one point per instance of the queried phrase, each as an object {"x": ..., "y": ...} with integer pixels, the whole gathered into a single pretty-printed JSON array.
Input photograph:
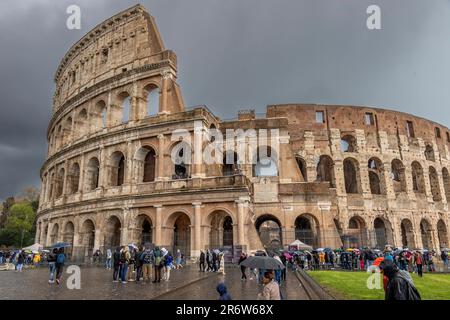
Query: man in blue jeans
[{"x": 51, "y": 259}]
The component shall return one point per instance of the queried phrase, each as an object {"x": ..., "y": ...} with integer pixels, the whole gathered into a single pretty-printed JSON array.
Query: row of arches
[
  {"x": 377, "y": 176},
  {"x": 101, "y": 115},
  {"x": 383, "y": 233}
]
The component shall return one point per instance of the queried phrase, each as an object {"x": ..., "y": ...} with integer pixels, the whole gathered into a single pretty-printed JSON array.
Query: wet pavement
[
  {"x": 97, "y": 284},
  {"x": 238, "y": 289}
]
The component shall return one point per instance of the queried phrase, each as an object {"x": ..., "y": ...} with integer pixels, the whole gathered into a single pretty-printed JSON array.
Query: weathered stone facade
[{"x": 344, "y": 175}]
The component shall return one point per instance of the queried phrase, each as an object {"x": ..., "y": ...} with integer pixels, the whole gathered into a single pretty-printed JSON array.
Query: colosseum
[{"x": 339, "y": 176}]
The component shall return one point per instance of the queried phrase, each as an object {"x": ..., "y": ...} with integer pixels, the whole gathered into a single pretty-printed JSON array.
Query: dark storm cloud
[{"x": 233, "y": 54}]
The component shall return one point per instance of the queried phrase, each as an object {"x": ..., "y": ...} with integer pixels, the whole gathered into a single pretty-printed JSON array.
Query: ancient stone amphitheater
[{"x": 341, "y": 175}]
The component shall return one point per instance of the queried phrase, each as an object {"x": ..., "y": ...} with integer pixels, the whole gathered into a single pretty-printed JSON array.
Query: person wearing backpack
[
  {"x": 51, "y": 259},
  {"x": 138, "y": 263},
  {"x": 124, "y": 260},
  {"x": 60, "y": 259},
  {"x": 157, "y": 254},
  {"x": 116, "y": 264},
  {"x": 147, "y": 261}
]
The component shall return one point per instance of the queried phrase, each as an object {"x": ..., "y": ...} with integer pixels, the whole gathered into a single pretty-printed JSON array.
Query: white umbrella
[{"x": 34, "y": 247}]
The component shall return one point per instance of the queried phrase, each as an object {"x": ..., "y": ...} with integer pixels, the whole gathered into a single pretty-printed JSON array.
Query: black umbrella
[{"x": 260, "y": 262}]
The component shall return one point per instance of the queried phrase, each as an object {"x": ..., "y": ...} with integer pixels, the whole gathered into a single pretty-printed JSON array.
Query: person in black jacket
[
  {"x": 241, "y": 259},
  {"x": 51, "y": 259},
  {"x": 116, "y": 264},
  {"x": 400, "y": 285},
  {"x": 202, "y": 261}
]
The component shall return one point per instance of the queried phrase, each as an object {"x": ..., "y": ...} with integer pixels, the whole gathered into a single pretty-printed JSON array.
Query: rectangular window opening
[{"x": 320, "y": 117}]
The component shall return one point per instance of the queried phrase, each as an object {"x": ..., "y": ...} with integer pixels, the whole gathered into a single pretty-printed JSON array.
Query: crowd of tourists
[
  {"x": 20, "y": 258},
  {"x": 130, "y": 263}
]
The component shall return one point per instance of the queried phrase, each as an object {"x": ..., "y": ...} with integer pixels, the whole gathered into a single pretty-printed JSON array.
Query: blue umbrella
[{"x": 61, "y": 245}]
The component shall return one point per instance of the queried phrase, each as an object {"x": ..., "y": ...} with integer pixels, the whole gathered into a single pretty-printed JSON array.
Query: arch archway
[
  {"x": 446, "y": 179},
  {"x": 181, "y": 239},
  {"x": 357, "y": 232},
  {"x": 269, "y": 231},
  {"x": 442, "y": 234},
  {"x": 230, "y": 164},
  {"x": 221, "y": 232},
  {"x": 434, "y": 183},
  {"x": 92, "y": 174},
  {"x": 307, "y": 230},
  {"x": 146, "y": 164},
  {"x": 69, "y": 233},
  {"x": 352, "y": 176},
  {"x": 60, "y": 182},
  {"x": 181, "y": 155},
  {"x": 145, "y": 230},
  {"x": 376, "y": 176},
  {"x": 112, "y": 233},
  {"x": 117, "y": 174},
  {"x": 325, "y": 170},
  {"x": 398, "y": 176},
  {"x": 407, "y": 233},
  {"x": 429, "y": 153},
  {"x": 383, "y": 233},
  {"x": 54, "y": 234},
  {"x": 74, "y": 178},
  {"x": 98, "y": 116},
  {"x": 87, "y": 237},
  {"x": 265, "y": 162},
  {"x": 418, "y": 177},
  {"x": 426, "y": 234},
  {"x": 151, "y": 93},
  {"x": 348, "y": 143}
]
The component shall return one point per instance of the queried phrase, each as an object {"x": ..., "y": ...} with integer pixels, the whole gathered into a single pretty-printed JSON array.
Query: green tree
[{"x": 19, "y": 225}]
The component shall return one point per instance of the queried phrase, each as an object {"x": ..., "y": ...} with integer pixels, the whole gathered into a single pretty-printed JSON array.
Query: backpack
[{"x": 60, "y": 259}]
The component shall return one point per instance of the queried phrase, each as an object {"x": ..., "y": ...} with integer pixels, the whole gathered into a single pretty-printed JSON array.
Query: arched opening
[
  {"x": 60, "y": 183},
  {"x": 146, "y": 160},
  {"x": 74, "y": 178},
  {"x": 146, "y": 233},
  {"x": 351, "y": 176},
  {"x": 407, "y": 231},
  {"x": 376, "y": 176},
  {"x": 98, "y": 116},
  {"x": 92, "y": 174},
  {"x": 112, "y": 233},
  {"x": 69, "y": 232},
  {"x": 67, "y": 131},
  {"x": 182, "y": 235},
  {"x": 426, "y": 235},
  {"x": 152, "y": 99},
  {"x": 303, "y": 168},
  {"x": 325, "y": 171},
  {"x": 307, "y": 230},
  {"x": 181, "y": 157},
  {"x": 383, "y": 233},
  {"x": 88, "y": 238},
  {"x": 221, "y": 232},
  {"x": 348, "y": 143},
  {"x": 54, "y": 234},
  {"x": 434, "y": 183},
  {"x": 429, "y": 153},
  {"x": 442, "y": 234},
  {"x": 125, "y": 106},
  {"x": 117, "y": 169},
  {"x": 446, "y": 179},
  {"x": 418, "y": 177},
  {"x": 398, "y": 176},
  {"x": 357, "y": 234},
  {"x": 265, "y": 162},
  {"x": 269, "y": 231},
  {"x": 230, "y": 164},
  {"x": 82, "y": 124}
]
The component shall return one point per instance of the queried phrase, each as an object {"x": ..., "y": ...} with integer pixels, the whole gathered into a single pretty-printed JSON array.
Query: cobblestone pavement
[
  {"x": 96, "y": 284},
  {"x": 238, "y": 290}
]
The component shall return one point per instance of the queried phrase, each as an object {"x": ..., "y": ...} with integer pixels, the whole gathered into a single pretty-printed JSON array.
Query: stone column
[
  {"x": 103, "y": 172},
  {"x": 198, "y": 150},
  {"x": 97, "y": 239},
  {"x": 160, "y": 163},
  {"x": 163, "y": 98},
  {"x": 324, "y": 208},
  {"x": 283, "y": 146},
  {"x": 197, "y": 229},
  {"x": 158, "y": 225},
  {"x": 82, "y": 173},
  {"x": 242, "y": 204}
]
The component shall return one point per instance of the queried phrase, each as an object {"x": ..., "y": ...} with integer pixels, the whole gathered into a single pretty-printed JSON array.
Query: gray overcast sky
[{"x": 233, "y": 54}]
